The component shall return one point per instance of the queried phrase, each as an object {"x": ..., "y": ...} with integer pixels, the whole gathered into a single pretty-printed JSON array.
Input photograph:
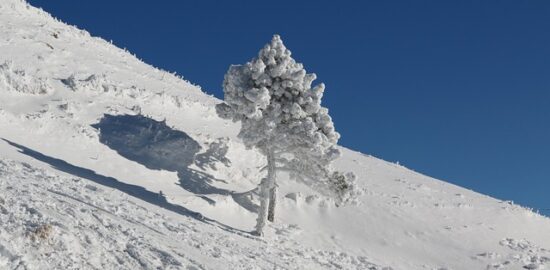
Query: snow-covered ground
[{"x": 109, "y": 163}]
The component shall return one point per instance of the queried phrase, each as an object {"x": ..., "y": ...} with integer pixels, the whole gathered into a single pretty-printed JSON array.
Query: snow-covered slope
[{"x": 109, "y": 163}]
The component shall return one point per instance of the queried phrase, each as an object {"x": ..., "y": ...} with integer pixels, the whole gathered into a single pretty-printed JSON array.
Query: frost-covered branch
[{"x": 281, "y": 115}]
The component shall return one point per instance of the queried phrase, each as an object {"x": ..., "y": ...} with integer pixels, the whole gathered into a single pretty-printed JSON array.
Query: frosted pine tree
[{"x": 282, "y": 116}]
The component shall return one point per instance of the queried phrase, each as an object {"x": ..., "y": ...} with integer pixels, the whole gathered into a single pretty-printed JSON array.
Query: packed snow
[{"x": 109, "y": 163}]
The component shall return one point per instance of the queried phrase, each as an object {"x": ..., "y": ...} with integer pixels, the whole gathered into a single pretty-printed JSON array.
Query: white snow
[{"x": 74, "y": 197}]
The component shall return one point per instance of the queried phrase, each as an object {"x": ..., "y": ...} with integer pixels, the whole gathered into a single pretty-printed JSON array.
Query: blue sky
[{"x": 458, "y": 90}]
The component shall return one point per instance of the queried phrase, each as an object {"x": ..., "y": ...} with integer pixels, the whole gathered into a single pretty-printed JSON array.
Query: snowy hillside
[{"x": 109, "y": 163}]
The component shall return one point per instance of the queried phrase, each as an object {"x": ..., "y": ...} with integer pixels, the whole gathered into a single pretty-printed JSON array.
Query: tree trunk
[
  {"x": 264, "y": 201},
  {"x": 267, "y": 195},
  {"x": 272, "y": 203}
]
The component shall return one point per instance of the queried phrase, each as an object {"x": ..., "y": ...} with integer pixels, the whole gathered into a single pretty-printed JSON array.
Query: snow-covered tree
[{"x": 282, "y": 116}]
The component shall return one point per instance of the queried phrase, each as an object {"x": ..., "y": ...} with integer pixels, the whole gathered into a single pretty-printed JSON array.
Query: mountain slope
[{"x": 106, "y": 162}]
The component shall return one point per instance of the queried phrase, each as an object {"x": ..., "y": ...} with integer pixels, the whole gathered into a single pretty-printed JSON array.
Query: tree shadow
[
  {"x": 156, "y": 146},
  {"x": 132, "y": 190},
  {"x": 216, "y": 153},
  {"x": 147, "y": 141},
  {"x": 159, "y": 147}
]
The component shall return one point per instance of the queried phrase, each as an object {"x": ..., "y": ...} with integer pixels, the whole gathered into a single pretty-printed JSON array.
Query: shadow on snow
[
  {"x": 132, "y": 190},
  {"x": 159, "y": 147},
  {"x": 156, "y": 146}
]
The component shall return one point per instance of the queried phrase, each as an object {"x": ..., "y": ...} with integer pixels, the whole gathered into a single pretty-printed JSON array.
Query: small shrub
[{"x": 41, "y": 233}]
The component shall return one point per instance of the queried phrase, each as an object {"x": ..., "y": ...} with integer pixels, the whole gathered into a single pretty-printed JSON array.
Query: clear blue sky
[{"x": 458, "y": 90}]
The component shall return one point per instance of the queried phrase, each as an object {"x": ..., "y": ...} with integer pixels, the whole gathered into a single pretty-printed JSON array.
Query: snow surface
[{"x": 88, "y": 179}]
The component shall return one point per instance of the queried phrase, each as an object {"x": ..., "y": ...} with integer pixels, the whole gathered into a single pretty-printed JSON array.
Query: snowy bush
[
  {"x": 91, "y": 83},
  {"x": 17, "y": 80},
  {"x": 40, "y": 233},
  {"x": 282, "y": 116}
]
